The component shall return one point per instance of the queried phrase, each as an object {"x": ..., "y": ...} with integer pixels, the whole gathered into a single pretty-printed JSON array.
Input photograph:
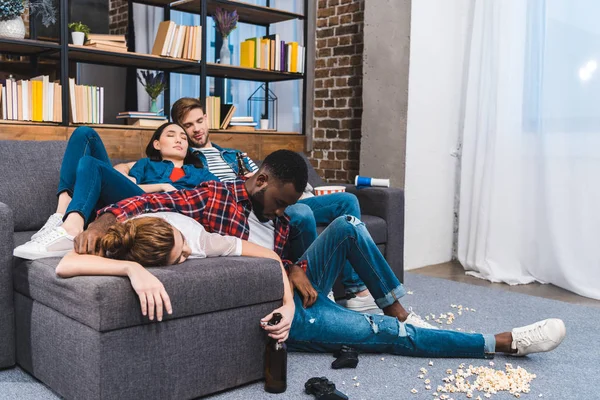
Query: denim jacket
[{"x": 229, "y": 155}]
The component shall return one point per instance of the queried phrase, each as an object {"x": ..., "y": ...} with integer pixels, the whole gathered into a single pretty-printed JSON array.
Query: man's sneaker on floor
[
  {"x": 53, "y": 243},
  {"x": 363, "y": 304},
  {"x": 54, "y": 221},
  {"x": 416, "y": 321},
  {"x": 542, "y": 336}
]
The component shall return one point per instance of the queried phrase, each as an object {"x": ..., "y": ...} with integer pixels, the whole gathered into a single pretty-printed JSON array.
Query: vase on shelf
[
  {"x": 78, "y": 38},
  {"x": 153, "y": 106},
  {"x": 225, "y": 54},
  {"x": 264, "y": 124},
  {"x": 12, "y": 28}
]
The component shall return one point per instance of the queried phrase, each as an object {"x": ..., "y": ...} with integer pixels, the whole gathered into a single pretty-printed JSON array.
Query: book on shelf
[
  {"x": 227, "y": 111},
  {"x": 177, "y": 41},
  {"x": 36, "y": 99},
  {"x": 145, "y": 123},
  {"x": 87, "y": 103},
  {"x": 243, "y": 123},
  {"x": 273, "y": 54},
  {"x": 213, "y": 110},
  {"x": 106, "y": 37},
  {"x": 141, "y": 115},
  {"x": 242, "y": 119}
]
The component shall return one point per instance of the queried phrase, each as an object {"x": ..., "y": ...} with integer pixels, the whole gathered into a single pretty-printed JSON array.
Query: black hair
[
  {"x": 154, "y": 154},
  {"x": 287, "y": 166}
]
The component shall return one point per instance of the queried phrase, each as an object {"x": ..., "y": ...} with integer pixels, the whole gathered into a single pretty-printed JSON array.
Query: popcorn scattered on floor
[
  {"x": 355, "y": 378},
  {"x": 488, "y": 380},
  {"x": 410, "y": 292},
  {"x": 430, "y": 363},
  {"x": 414, "y": 391},
  {"x": 357, "y": 384},
  {"x": 382, "y": 358}
]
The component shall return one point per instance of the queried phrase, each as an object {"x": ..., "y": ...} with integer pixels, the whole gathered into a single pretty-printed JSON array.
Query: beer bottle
[
  {"x": 242, "y": 170},
  {"x": 275, "y": 362}
]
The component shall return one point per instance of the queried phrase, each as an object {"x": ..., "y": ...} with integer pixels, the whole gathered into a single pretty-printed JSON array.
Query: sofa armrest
[
  {"x": 388, "y": 204},
  {"x": 7, "y": 321}
]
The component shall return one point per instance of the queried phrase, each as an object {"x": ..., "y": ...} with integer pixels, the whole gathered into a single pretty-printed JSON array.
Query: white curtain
[{"x": 530, "y": 163}]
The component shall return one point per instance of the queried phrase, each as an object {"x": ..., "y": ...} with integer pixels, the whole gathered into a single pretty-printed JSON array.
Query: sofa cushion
[
  {"x": 376, "y": 226},
  {"x": 195, "y": 287},
  {"x": 31, "y": 196},
  {"x": 22, "y": 237}
]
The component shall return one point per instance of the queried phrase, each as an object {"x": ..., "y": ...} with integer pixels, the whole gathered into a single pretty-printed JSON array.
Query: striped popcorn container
[{"x": 321, "y": 190}]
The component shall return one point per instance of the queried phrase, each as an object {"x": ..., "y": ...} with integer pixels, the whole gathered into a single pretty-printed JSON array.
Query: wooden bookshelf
[
  {"x": 249, "y": 13},
  {"x": 62, "y": 56}
]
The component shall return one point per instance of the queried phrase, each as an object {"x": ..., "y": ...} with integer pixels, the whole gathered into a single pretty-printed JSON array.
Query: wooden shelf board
[
  {"x": 19, "y": 122},
  {"x": 249, "y": 13},
  {"x": 257, "y": 131},
  {"x": 248, "y": 74},
  {"x": 129, "y": 59},
  {"x": 27, "y": 46}
]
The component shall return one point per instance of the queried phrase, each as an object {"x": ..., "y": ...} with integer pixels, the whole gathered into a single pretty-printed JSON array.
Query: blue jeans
[
  {"x": 88, "y": 176},
  {"x": 325, "y": 326},
  {"x": 322, "y": 210}
]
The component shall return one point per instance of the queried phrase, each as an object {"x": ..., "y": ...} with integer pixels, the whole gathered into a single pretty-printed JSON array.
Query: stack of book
[
  {"x": 87, "y": 103},
  {"x": 271, "y": 53},
  {"x": 178, "y": 41},
  {"x": 36, "y": 99},
  {"x": 242, "y": 124},
  {"x": 142, "y": 118},
  {"x": 107, "y": 42}
]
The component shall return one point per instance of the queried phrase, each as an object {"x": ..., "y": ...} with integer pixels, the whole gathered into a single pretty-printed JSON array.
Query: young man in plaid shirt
[{"x": 253, "y": 210}]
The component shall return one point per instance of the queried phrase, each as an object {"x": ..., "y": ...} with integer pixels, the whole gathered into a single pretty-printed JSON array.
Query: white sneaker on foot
[
  {"x": 55, "y": 242},
  {"x": 542, "y": 336},
  {"x": 363, "y": 304},
  {"x": 414, "y": 320},
  {"x": 54, "y": 221}
]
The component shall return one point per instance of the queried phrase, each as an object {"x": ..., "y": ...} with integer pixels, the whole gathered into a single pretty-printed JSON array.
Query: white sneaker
[
  {"x": 542, "y": 336},
  {"x": 55, "y": 242},
  {"x": 363, "y": 304},
  {"x": 416, "y": 321},
  {"x": 54, "y": 221}
]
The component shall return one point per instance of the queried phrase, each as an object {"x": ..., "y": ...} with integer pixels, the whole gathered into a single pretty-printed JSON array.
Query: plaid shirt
[{"x": 220, "y": 207}]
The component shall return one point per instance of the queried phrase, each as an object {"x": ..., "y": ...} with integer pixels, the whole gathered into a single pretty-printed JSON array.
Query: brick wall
[
  {"x": 338, "y": 89},
  {"x": 118, "y": 13}
]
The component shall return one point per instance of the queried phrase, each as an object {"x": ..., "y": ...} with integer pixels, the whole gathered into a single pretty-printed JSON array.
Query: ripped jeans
[{"x": 326, "y": 326}]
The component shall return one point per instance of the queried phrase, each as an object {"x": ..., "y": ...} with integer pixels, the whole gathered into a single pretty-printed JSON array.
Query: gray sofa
[{"x": 85, "y": 337}]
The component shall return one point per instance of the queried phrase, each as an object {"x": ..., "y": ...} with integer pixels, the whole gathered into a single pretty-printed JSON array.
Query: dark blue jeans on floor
[
  {"x": 322, "y": 210},
  {"x": 325, "y": 326},
  {"x": 88, "y": 176}
]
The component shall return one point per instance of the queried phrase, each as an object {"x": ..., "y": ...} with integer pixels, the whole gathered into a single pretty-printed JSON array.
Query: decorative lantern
[{"x": 262, "y": 105}]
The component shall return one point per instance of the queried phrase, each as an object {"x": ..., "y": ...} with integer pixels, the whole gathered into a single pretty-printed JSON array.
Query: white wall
[{"x": 439, "y": 30}]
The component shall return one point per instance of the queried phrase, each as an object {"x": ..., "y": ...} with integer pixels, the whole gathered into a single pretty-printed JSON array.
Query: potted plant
[
  {"x": 11, "y": 23},
  {"x": 264, "y": 121},
  {"x": 154, "y": 84},
  {"x": 226, "y": 22},
  {"x": 79, "y": 32}
]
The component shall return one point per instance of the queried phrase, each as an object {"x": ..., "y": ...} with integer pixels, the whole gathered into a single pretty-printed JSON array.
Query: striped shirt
[{"x": 218, "y": 166}]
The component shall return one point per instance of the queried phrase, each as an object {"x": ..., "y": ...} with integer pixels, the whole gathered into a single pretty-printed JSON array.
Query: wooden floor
[{"x": 455, "y": 272}]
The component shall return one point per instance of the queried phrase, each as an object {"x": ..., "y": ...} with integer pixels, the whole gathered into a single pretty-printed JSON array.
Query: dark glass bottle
[
  {"x": 242, "y": 170},
  {"x": 275, "y": 362}
]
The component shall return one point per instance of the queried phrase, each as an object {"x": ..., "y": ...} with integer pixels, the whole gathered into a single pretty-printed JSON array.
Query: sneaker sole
[{"x": 36, "y": 256}]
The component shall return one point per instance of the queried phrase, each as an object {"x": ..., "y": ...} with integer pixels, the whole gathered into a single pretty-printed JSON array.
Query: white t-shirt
[
  {"x": 218, "y": 166},
  {"x": 202, "y": 243},
  {"x": 261, "y": 233}
]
